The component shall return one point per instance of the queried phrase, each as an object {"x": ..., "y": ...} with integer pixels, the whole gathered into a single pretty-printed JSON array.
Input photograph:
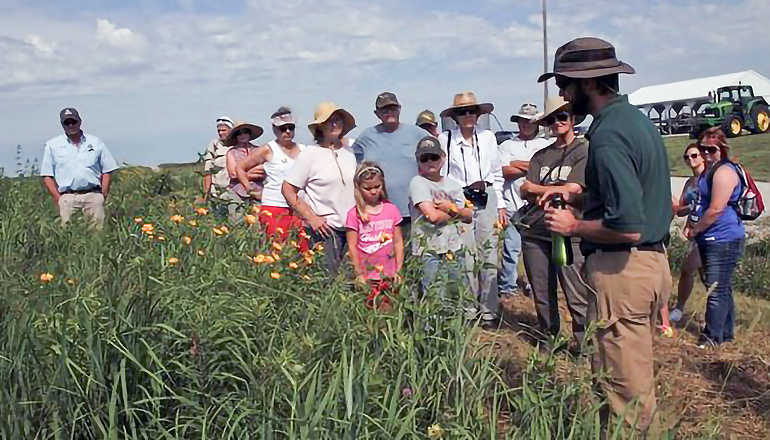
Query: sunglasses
[
  {"x": 241, "y": 131},
  {"x": 390, "y": 108},
  {"x": 691, "y": 156},
  {"x": 69, "y": 122},
  {"x": 429, "y": 158},
  {"x": 708, "y": 149},
  {"x": 286, "y": 127},
  {"x": 466, "y": 111},
  {"x": 561, "y": 117}
]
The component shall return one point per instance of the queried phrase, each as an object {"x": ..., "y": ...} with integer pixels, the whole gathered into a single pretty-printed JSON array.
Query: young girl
[{"x": 375, "y": 243}]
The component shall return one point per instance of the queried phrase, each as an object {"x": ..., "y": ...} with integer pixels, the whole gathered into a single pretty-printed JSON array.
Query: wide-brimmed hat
[
  {"x": 586, "y": 57},
  {"x": 325, "y": 110},
  {"x": 467, "y": 99},
  {"x": 256, "y": 131},
  {"x": 426, "y": 117},
  {"x": 527, "y": 112},
  {"x": 553, "y": 105}
]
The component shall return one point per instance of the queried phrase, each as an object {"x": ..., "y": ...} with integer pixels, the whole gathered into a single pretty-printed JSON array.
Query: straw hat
[
  {"x": 256, "y": 131},
  {"x": 467, "y": 99},
  {"x": 555, "y": 104},
  {"x": 325, "y": 110}
]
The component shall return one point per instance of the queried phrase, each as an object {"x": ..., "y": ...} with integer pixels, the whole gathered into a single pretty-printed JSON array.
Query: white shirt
[
  {"x": 464, "y": 165},
  {"x": 517, "y": 149},
  {"x": 328, "y": 187},
  {"x": 276, "y": 169},
  {"x": 76, "y": 167},
  {"x": 216, "y": 165}
]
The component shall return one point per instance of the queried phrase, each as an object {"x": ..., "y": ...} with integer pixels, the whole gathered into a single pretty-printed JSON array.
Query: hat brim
[
  {"x": 590, "y": 73},
  {"x": 348, "y": 121},
  {"x": 484, "y": 107},
  {"x": 517, "y": 118},
  {"x": 256, "y": 131}
]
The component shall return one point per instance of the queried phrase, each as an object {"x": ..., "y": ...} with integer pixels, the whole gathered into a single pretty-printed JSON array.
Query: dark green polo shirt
[{"x": 627, "y": 176}]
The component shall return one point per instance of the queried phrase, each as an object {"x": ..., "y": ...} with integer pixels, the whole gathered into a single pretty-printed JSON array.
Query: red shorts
[
  {"x": 282, "y": 222},
  {"x": 379, "y": 294}
]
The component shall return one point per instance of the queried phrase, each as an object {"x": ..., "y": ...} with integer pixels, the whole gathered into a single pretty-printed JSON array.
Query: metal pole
[{"x": 545, "y": 50}]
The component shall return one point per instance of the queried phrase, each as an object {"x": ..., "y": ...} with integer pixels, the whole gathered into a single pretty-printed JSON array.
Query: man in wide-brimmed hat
[
  {"x": 625, "y": 222},
  {"x": 562, "y": 163},
  {"x": 514, "y": 155},
  {"x": 391, "y": 145},
  {"x": 473, "y": 161}
]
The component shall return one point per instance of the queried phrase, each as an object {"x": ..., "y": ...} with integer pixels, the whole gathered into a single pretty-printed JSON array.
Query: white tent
[{"x": 695, "y": 92}]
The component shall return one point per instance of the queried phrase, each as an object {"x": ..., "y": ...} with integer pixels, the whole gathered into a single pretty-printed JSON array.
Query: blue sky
[{"x": 150, "y": 76}]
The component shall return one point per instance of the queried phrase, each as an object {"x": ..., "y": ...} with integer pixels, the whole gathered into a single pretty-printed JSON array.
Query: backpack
[{"x": 749, "y": 205}]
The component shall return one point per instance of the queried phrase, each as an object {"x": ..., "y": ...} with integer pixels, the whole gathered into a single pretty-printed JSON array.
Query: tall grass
[{"x": 124, "y": 342}]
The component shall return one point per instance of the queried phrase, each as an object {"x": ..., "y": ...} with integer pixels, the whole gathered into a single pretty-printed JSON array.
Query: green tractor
[{"x": 735, "y": 109}]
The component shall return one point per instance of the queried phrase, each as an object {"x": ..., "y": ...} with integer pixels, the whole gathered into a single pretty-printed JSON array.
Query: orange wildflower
[
  {"x": 138, "y": 220},
  {"x": 186, "y": 240},
  {"x": 268, "y": 213},
  {"x": 269, "y": 260},
  {"x": 173, "y": 260},
  {"x": 308, "y": 259},
  {"x": 304, "y": 235},
  {"x": 277, "y": 246},
  {"x": 177, "y": 218},
  {"x": 200, "y": 253},
  {"x": 259, "y": 259},
  {"x": 250, "y": 219},
  {"x": 449, "y": 256},
  {"x": 46, "y": 277},
  {"x": 307, "y": 277},
  {"x": 148, "y": 228},
  {"x": 224, "y": 229},
  {"x": 276, "y": 257},
  {"x": 385, "y": 237},
  {"x": 280, "y": 231},
  {"x": 255, "y": 209},
  {"x": 161, "y": 238},
  {"x": 217, "y": 231},
  {"x": 293, "y": 265},
  {"x": 193, "y": 223},
  {"x": 202, "y": 211},
  {"x": 275, "y": 275}
]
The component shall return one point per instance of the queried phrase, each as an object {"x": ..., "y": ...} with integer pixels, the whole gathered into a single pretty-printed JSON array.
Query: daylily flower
[
  {"x": 268, "y": 213},
  {"x": 202, "y": 211},
  {"x": 200, "y": 253},
  {"x": 177, "y": 218},
  {"x": 449, "y": 256},
  {"x": 277, "y": 246},
  {"x": 193, "y": 223},
  {"x": 224, "y": 229},
  {"x": 186, "y": 240},
  {"x": 269, "y": 260},
  {"x": 304, "y": 235},
  {"x": 308, "y": 259},
  {"x": 276, "y": 257},
  {"x": 218, "y": 231},
  {"x": 275, "y": 275},
  {"x": 250, "y": 219},
  {"x": 147, "y": 228},
  {"x": 173, "y": 260},
  {"x": 46, "y": 277},
  {"x": 385, "y": 237},
  {"x": 138, "y": 220},
  {"x": 435, "y": 431},
  {"x": 161, "y": 238},
  {"x": 259, "y": 259},
  {"x": 307, "y": 277},
  {"x": 255, "y": 209},
  {"x": 280, "y": 231},
  {"x": 293, "y": 265}
]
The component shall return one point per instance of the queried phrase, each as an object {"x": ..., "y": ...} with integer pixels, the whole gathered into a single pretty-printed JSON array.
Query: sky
[{"x": 150, "y": 77}]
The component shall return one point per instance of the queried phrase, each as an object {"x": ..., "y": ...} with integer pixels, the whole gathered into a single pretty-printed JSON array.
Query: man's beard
[{"x": 580, "y": 101}]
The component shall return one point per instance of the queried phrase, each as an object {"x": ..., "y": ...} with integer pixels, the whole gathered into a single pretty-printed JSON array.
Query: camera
[{"x": 476, "y": 193}]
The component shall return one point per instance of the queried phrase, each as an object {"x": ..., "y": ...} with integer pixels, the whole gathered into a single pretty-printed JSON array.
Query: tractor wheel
[
  {"x": 761, "y": 119},
  {"x": 733, "y": 126}
]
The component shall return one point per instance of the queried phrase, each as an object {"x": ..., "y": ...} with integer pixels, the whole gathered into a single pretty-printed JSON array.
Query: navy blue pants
[{"x": 719, "y": 261}]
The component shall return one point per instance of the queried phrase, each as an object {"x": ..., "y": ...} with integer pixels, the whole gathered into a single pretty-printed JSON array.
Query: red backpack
[{"x": 749, "y": 205}]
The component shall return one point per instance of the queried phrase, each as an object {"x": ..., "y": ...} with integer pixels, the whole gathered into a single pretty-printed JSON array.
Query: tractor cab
[{"x": 735, "y": 108}]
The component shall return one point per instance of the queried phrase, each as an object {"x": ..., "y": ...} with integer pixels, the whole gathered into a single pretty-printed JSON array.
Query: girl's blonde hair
[{"x": 367, "y": 170}]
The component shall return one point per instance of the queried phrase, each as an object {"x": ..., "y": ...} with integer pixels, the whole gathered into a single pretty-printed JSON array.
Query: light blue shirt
[
  {"x": 394, "y": 153},
  {"x": 76, "y": 168}
]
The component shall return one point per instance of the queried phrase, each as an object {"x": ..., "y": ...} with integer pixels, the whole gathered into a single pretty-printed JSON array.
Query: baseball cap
[
  {"x": 426, "y": 117},
  {"x": 428, "y": 145},
  {"x": 527, "y": 111},
  {"x": 386, "y": 98},
  {"x": 69, "y": 113}
]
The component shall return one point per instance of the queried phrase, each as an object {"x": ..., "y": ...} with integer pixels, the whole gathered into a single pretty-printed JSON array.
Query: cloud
[{"x": 118, "y": 38}]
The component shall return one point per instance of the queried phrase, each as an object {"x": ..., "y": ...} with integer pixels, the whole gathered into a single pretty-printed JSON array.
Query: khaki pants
[
  {"x": 630, "y": 288},
  {"x": 92, "y": 205}
]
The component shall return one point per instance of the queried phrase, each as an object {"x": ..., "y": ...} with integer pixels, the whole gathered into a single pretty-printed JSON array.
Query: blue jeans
[
  {"x": 509, "y": 273},
  {"x": 438, "y": 268},
  {"x": 719, "y": 261},
  {"x": 335, "y": 247}
]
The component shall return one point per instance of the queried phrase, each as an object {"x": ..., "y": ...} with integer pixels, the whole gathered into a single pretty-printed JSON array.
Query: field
[
  {"x": 753, "y": 151},
  {"x": 165, "y": 325}
]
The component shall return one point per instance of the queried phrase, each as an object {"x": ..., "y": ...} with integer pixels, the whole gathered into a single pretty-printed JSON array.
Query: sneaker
[
  {"x": 674, "y": 315},
  {"x": 706, "y": 343},
  {"x": 471, "y": 313},
  {"x": 507, "y": 293}
]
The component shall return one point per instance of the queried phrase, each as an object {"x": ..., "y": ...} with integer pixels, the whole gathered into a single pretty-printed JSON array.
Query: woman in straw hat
[
  {"x": 325, "y": 172},
  {"x": 239, "y": 140},
  {"x": 560, "y": 164},
  {"x": 473, "y": 162}
]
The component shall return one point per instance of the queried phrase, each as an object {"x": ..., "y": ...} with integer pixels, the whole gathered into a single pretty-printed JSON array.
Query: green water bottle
[{"x": 561, "y": 250}]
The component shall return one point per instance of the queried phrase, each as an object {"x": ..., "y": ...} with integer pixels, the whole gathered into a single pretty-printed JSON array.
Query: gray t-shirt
[
  {"x": 426, "y": 236},
  {"x": 394, "y": 153}
]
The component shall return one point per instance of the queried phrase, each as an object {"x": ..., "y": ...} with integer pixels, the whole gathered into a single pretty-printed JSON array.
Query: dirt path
[{"x": 723, "y": 393}]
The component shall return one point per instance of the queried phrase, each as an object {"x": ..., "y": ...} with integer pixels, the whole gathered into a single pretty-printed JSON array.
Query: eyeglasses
[
  {"x": 286, "y": 127},
  {"x": 466, "y": 111},
  {"x": 69, "y": 122},
  {"x": 429, "y": 158},
  {"x": 708, "y": 149},
  {"x": 561, "y": 117},
  {"x": 390, "y": 108},
  {"x": 691, "y": 156}
]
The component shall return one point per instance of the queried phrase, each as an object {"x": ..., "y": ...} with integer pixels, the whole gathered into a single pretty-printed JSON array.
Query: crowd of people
[{"x": 445, "y": 197}]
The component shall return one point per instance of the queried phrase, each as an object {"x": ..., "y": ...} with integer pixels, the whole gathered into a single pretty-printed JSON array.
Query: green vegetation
[{"x": 752, "y": 151}]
